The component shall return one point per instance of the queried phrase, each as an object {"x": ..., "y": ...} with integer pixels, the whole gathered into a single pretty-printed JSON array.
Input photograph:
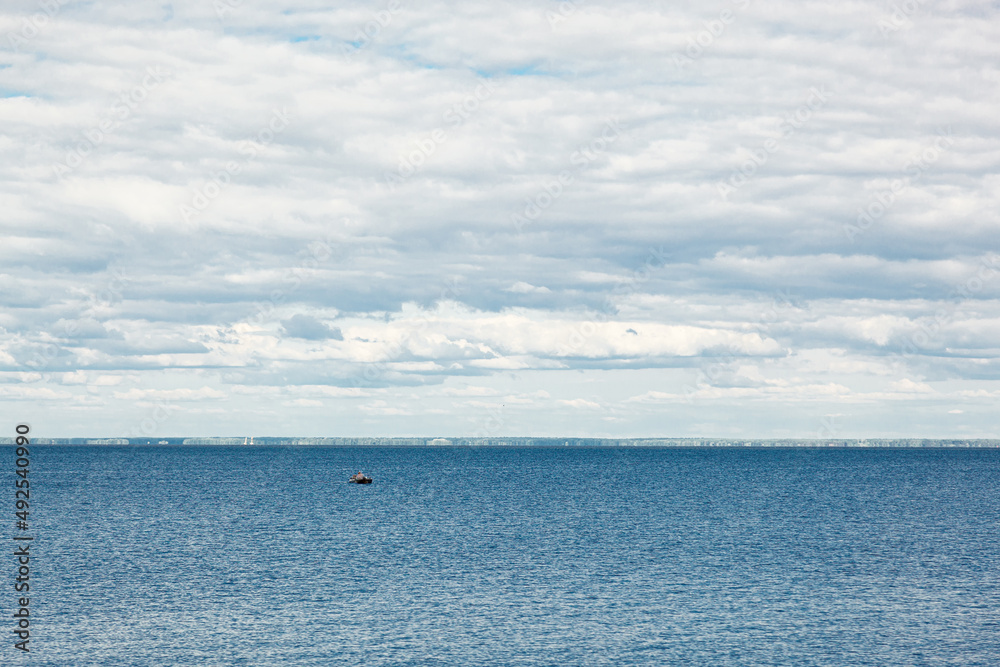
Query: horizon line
[{"x": 500, "y": 441}]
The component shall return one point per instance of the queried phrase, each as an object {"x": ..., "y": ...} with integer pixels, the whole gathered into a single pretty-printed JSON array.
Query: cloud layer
[{"x": 588, "y": 219}]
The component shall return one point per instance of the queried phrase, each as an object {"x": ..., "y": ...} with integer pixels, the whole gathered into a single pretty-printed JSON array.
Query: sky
[{"x": 728, "y": 219}]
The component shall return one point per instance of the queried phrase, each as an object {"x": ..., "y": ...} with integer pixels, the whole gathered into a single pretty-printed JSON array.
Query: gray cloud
[{"x": 309, "y": 328}]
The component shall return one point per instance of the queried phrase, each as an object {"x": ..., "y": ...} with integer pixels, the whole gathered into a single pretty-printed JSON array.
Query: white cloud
[
  {"x": 652, "y": 397},
  {"x": 908, "y": 386},
  {"x": 469, "y": 391},
  {"x": 580, "y": 404},
  {"x": 201, "y": 394},
  {"x": 76, "y": 377},
  {"x": 303, "y": 403},
  {"x": 521, "y": 287},
  {"x": 22, "y": 393}
]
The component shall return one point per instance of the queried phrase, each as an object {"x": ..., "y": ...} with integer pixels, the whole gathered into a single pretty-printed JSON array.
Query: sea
[{"x": 508, "y": 556}]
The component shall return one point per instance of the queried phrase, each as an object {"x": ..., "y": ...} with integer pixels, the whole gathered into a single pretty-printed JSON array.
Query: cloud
[
  {"x": 652, "y": 397},
  {"x": 21, "y": 393},
  {"x": 907, "y": 385},
  {"x": 309, "y": 328},
  {"x": 580, "y": 404},
  {"x": 521, "y": 287},
  {"x": 136, "y": 394},
  {"x": 87, "y": 328},
  {"x": 305, "y": 403}
]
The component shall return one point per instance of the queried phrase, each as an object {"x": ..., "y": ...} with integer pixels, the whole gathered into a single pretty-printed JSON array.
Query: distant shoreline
[{"x": 862, "y": 443}]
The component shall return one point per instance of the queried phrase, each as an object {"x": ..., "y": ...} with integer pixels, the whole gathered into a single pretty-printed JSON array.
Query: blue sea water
[{"x": 560, "y": 556}]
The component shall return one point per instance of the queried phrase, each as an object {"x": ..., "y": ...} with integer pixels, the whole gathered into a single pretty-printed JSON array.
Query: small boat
[{"x": 359, "y": 479}]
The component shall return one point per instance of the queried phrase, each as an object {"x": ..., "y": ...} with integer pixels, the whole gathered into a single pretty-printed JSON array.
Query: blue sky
[{"x": 733, "y": 219}]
